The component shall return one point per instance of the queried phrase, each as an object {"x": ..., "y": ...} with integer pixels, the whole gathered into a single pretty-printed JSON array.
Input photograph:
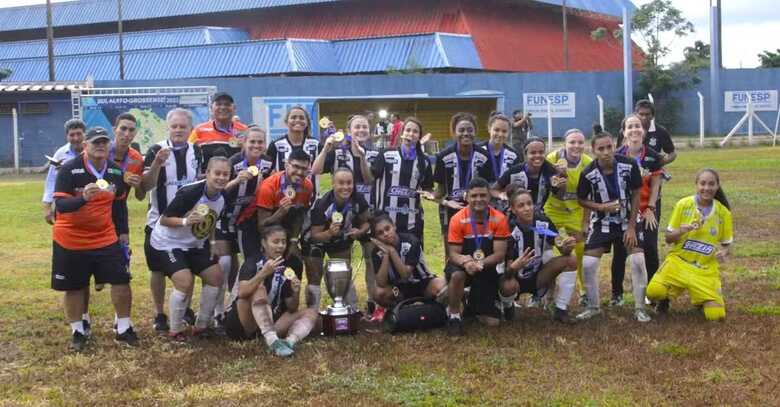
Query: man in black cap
[
  {"x": 220, "y": 136},
  {"x": 85, "y": 242}
]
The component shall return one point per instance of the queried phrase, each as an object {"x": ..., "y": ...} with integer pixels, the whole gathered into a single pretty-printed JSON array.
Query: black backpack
[{"x": 415, "y": 314}]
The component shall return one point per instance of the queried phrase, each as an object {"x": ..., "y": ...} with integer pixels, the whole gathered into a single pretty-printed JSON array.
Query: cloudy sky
[{"x": 749, "y": 27}]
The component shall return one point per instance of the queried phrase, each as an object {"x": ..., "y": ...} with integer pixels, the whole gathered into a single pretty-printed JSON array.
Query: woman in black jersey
[
  {"x": 535, "y": 175},
  {"x": 265, "y": 297}
]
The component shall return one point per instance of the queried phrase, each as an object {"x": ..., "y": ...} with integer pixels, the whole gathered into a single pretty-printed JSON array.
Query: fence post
[
  {"x": 549, "y": 123},
  {"x": 750, "y": 118},
  {"x": 16, "y": 139},
  {"x": 777, "y": 121},
  {"x": 601, "y": 110},
  {"x": 701, "y": 119}
]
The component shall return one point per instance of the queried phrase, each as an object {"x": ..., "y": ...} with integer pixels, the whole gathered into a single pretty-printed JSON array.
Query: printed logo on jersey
[
  {"x": 405, "y": 247},
  {"x": 77, "y": 171},
  {"x": 115, "y": 171},
  {"x": 698, "y": 247},
  {"x": 400, "y": 191}
]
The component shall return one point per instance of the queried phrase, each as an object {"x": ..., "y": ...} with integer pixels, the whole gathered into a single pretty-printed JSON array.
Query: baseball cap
[
  {"x": 222, "y": 95},
  {"x": 97, "y": 133}
]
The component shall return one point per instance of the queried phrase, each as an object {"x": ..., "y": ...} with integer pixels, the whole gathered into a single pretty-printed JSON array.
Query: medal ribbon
[
  {"x": 112, "y": 156},
  {"x": 705, "y": 212},
  {"x": 496, "y": 164},
  {"x": 284, "y": 185},
  {"x": 475, "y": 231},
  {"x": 94, "y": 171},
  {"x": 343, "y": 212},
  {"x": 411, "y": 154},
  {"x": 463, "y": 183}
]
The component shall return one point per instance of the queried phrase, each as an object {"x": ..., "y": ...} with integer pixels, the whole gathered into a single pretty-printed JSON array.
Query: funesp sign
[
  {"x": 562, "y": 104},
  {"x": 763, "y": 100}
]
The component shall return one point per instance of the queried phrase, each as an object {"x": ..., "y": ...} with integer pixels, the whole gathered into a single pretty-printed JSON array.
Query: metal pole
[
  {"x": 565, "y": 39},
  {"x": 16, "y": 139},
  {"x": 652, "y": 100},
  {"x": 628, "y": 80},
  {"x": 50, "y": 40},
  {"x": 777, "y": 122},
  {"x": 121, "y": 44},
  {"x": 701, "y": 119},
  {"x": 750, "y": 118},
  {"x": 601, "y": 110},
  {"x": 549, "y": 123},
  {"x": 715, "y": 65}
]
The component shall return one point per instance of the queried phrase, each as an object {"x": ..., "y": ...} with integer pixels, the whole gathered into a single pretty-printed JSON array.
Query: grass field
[{"x": 678, "y": 359}]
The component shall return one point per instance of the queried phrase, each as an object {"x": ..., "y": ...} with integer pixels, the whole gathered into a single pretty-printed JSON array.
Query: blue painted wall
[{"x": 43, "y": 133}]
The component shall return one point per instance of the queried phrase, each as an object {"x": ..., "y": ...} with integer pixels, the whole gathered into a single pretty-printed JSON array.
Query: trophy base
[{"x": 333, "y": 325}]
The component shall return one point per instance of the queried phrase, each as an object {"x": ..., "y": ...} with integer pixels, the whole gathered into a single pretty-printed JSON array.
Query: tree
[
  {"x": 770, "y": 59},
  {"x": 4, "y": 73},
  {"x": 656, "y": 25},
  {"x": 697, "y": 56}
]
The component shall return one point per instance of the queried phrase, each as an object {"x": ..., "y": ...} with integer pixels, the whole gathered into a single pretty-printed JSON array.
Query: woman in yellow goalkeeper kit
[
  {"x": 562, "y": 208},
  {"x": 701, "y": 231}
]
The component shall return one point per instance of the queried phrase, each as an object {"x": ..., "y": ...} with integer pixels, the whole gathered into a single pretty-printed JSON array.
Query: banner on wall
[
  {"x": 269, "y": 112},
  {"x": 149, "y": 109},
  {"x": 562, "y": 104},
  {"x": 763, "y": 100}
]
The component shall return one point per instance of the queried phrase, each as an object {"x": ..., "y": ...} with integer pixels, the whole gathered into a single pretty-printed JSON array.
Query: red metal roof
[{"x": 509, "y": 36}]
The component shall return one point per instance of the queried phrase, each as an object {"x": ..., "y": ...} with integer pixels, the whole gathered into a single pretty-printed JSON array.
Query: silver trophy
[{"x": 339, "y": 318}]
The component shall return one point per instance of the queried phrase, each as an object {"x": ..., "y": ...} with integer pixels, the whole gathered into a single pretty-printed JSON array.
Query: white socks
[
  {"x": 313, "y": 294},
  {"x": 77, "y": 326},
  {"x": 508, "y": 301},
  {"x": 208, "y": 300},
  {"x": 566, "y": 282},
  {"x": 590, "y": 272},
  {"x": 299, "y": 329},
  {"x": 638, "y": 278},
  {"x": 122, "y": 325},
  {"x": 177, "y": 305},
  {"x": 225, "y": 263}
]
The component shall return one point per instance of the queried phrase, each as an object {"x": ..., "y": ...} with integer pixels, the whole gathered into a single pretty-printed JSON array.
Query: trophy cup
[{"x": 339, "y": 318}]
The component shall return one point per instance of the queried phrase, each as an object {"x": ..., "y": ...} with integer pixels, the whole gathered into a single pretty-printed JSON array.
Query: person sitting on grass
[
  {"x": 264, "y": 300},
  {"x": 701, "y": 233},
  {"x": 401, "y": 272}
]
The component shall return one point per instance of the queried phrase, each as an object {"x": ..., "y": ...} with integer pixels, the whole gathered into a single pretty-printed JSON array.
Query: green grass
[{"x": 678, "y": 359}]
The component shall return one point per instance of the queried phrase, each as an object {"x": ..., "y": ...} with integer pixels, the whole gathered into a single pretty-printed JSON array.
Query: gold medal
[
  {"x": 126, "y": 176},
  {"x": 338, "y": 136},
  {"x": 252, "y": 169},
  {"x": 233, "y": 142},
  {"x": 202, "y": 209},
  {"x": 102, "y": 184},
  {"x": 290, "y": 192},
  {"x": 562, "y": 163},
  {"x": 325, "y": 122},
  {"x": 396, "y": 292},
  {"x": 337, "y": 217},
  {"x": 479, "y": 255},
  {"x": 695, "y": 225},
  {"x": 289, "y": 273}
]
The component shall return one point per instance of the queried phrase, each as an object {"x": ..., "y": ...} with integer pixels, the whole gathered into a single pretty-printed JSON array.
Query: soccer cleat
[
  {"x": 455, "y": 327},
  {"x": 128, "y": 338},
  {"x": 78, "y": 342},
  {"x": 281, "y": 348},
  {"x": 583, "y": 300},
  {"x": 161, "y": 323},
  {"x": 189, "y": 317},
  {"x": 562, "y": 316},
  {"x": 617, "y": 300},
  {"x": 178, "y": 337},
  {"x": 641, "y": 315},
  {"x": 588, "y": 314},
  {"x": 533, "y": 302},
  {"x": 87, "y": 328},
  {"x": 378, "y": 315},
  {"x": 203, "y": 333},
  {"x": 662, "y": 307},
  {"x": 507, "y": 311},
  {"x": 289, "y": 344}
]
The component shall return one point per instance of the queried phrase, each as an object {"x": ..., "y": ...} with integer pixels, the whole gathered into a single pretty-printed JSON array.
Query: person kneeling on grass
[
  {"x": 179, "y": 245},
  {"x": 531, "y": 266},
  {"x": 698, "y": 225},
  {"x": 265, "y": 298},
  {"x": 400, "y": 269}
]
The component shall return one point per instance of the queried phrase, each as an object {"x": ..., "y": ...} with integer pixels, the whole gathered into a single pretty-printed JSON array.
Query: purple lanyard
[
  {"x": 284, "y": 185},
  {"x": 468, "y": 167},
  {"x": 613, "y": 180},
  {"x": 94, "y": 171},
  {"x": 112, "y": 156},
  {"x": 477, "y": 236},
  {"x": 411, "y": 154},
  {"x": 500, "y": 162},
  {"x": 343, "y": 212}
]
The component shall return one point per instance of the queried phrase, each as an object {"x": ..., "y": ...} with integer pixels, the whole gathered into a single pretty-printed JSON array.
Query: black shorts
[
  {"x": 445, "y": 214},
  {"x": 222, "y": 232},
  {"x": 311, "y": 249},
  {"x": 414, "y": 290},
  {"x": 597, "y": 239},
  {"x": 248, "y": 238},
  {"x": 72, "y": 269},
  {"x": 233, "y": 327},
  {"x": 483, "y": 295},
  {"x": 153, "y": 266},
  {"x": 171, "y": 261},
  {"x": 527, "y": 284}
]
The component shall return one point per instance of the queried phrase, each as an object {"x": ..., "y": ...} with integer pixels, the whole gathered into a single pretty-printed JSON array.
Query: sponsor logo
[
  {"x": 405, "y": 247},
  {"x": 59, "y": 277},
  {"x": 115, "y": 171},
  {"x": 77, "y": 171},
  {"x": 400, "y": 191},
  {"x": 698, "y": 247}
]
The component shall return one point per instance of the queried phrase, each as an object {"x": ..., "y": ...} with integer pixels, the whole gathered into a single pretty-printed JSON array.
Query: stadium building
[{"x": 298, "y": 46}]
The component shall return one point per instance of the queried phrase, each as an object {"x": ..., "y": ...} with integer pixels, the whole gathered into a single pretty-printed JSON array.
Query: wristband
[{"x": 184, "y": 221}]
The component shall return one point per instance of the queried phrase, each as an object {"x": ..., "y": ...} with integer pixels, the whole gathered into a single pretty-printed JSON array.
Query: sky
[{"x": 749, "y": 27}]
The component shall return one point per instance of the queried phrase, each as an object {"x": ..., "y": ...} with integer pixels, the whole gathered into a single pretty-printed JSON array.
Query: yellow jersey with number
[
  {"x": 699, "y": 247},
  {"x": 568, "y": 202}
]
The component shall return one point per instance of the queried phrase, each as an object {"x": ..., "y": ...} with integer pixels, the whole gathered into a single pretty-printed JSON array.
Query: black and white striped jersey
[{"x": 625, "y": 180}]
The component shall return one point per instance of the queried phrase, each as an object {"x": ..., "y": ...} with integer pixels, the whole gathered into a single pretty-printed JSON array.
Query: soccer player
[
  {"x": 535, "y": 175},
  {"x": 357, "y": 153},
  {"x": 265, "y": 297},
  {"x": 401, "y": 272},
  {"x": 74, "y": 135},
  {"x": 180, "y": 243},
  {"x": 298, "y": 137},
  {"x": 402, "y": 175},
  {"x": 85, "y": 239},
  {"x": 237, "y": 229},
  {"x": 455, "y": 167},
  {"x": 649, "y": 163},
  {"x": 609, "y": 188},
  {"x": 284, "y": 199},
  {"x": 220, "y": 136},
  {"x": 169, "y": 165},
  {"x": 562, "y": 207},
  {"x": 701, "y": 233},
  {"x": 500, "y": 155},
  {"x": 338, "y": 218},
  {"x": 477, "y": 243}
]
